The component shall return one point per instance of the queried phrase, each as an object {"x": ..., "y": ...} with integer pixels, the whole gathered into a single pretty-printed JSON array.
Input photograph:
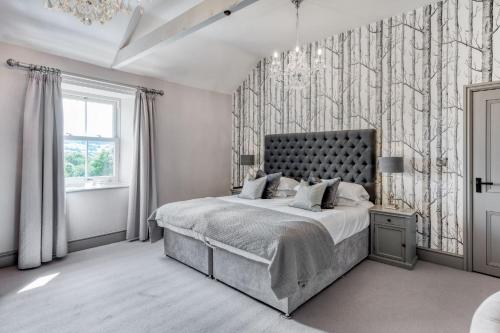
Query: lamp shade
[
  {"x": 247, "y": 159},
  {"x": 391, "y": 164}
]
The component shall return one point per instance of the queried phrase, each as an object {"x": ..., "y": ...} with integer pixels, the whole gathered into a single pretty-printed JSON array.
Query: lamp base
[{"x": 391, "y": 204}]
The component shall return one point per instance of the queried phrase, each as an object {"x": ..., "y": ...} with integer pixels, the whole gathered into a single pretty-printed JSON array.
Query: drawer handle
[
  {"x": 388, "y": 220},
  {"x": 403, "y": 245}
]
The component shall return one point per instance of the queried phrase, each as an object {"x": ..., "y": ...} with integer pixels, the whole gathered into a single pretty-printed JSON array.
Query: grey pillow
[
  {"x": 273, "y": 181},
  {"x": 252, "y": 188},
  {"x": 330, "y": 195},
  {"x": 309, "y": 197}
]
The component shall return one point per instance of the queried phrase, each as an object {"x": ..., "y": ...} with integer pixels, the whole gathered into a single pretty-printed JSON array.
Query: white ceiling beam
[
  {"x": 131, "y": 27},
  {"x": 194, "y": 19}
]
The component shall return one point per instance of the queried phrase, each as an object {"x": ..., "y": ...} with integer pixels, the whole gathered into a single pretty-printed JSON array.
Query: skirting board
[
  {"x": 10, "y": 258},
  {"x": 87, "y": 243},
  {"x": 440, "y": 258}
]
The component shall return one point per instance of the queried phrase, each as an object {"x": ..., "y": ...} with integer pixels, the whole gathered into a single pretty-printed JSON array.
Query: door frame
[{"x": 469, "y": 90}]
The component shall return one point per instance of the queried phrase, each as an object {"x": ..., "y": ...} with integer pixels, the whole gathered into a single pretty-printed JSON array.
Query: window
[{"x": 90, "y": 140}]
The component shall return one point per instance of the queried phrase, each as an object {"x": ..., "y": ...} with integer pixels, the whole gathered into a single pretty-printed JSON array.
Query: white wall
[
  {"x": 97, "y": 212},
  {"x": 194, "y": 146}
]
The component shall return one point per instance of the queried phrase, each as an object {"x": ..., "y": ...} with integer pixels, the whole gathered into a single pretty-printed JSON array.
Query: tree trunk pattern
[
  {"x": 360, "y": 59},
  {"x": 402, "y": 100},
  {"x": 439, "y": 128},
  {"x": 487, "y": 52},
  {"x": 348, "y": 113},
  {"x": 470, "y": 35},
  {"x": 340, "y": 68},
  {"x": 388, "y": 98},
  {"x": 402, "y": 76},
  {"x": 413, "y": 103},
  {"x": 426, "y": 128},
  {"x": 456, "y": 124},
  {"x": 378, "y": 101}
]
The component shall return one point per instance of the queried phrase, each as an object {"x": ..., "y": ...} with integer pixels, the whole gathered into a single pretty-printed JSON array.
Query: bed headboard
[{"x": 349, "y": 155}]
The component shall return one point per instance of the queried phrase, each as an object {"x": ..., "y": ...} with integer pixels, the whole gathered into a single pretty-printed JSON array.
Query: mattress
[{"x": 341, "y": 222}]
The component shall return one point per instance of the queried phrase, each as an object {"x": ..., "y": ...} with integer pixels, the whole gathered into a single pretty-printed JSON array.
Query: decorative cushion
[
  {"x": 272, "y": 183},
  {"x": 330, "y": 195},
  {"x": 309, "y": 197},
  {"x": 252, "y": 188}
]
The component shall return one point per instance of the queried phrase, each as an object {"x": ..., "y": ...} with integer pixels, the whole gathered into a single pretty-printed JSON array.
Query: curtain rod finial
[{"x": 11, "y": 62}]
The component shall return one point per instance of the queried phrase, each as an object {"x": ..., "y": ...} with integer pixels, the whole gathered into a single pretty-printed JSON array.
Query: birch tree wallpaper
[{"x": 403, "y": 76}]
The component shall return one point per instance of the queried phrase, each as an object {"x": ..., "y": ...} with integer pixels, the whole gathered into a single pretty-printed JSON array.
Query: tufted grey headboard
[{"x": 349, "y": 155}]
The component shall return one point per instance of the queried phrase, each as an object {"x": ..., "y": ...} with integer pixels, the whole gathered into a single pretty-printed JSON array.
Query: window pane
[
  {"x": 74, "y": 116},
  {"x": 101, "y": 158},
  {"x": 100, "y": 119},
  {"x": 74, "y": 158}
]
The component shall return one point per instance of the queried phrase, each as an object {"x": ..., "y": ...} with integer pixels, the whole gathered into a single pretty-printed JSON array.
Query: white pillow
[
  {"x": 287, "y": 184},
  {"x": 285, "y": 193},
  {"x": 346, "y": 202},
  {"x": 351, "y": 191}
]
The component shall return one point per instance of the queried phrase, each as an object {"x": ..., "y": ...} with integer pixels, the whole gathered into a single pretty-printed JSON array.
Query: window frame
[{"x": 97, "y": 180}]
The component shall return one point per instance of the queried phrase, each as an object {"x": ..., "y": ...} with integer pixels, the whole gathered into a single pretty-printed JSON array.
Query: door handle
[{"x": 479, "y": 183}]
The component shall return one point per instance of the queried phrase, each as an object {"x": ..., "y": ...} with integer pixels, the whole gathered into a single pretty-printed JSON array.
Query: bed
[{"x": 346, "y": 154}]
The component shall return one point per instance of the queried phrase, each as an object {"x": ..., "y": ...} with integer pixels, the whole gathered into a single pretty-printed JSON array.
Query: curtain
[
  {"x": 42, "y": 225},
  {"x": 142, "y": 191}
]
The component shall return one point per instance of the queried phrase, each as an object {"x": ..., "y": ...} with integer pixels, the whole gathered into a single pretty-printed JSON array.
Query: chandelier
[
  {"x": 89, "y": 11},
  {"x": 300, "y": 66}
]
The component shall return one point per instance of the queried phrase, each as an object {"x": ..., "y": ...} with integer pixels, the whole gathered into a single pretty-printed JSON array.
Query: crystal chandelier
[
  {"x": 297, "y": 70},
  {"x": 89, "y": 11}
]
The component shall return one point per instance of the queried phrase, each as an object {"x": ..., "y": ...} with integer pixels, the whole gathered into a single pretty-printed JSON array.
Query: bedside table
[
  {"x": 393, "y": 236},
  {"x": 236, "y": 190}
]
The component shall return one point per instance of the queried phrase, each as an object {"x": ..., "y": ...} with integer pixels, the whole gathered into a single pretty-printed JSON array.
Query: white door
[{"x": 486, "y": 181}]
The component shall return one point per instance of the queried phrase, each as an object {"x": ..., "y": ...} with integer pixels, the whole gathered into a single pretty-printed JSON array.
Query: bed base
[
  {"x": 252, "y": 278},
  {"x": 189, "y": 251}
]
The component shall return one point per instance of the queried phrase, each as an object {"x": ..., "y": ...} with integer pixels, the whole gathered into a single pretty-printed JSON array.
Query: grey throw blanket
[{"x": 298, "y": 248}]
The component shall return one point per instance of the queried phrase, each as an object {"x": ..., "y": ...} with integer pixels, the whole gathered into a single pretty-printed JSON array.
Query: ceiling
[{"x": 216, "y": 58}]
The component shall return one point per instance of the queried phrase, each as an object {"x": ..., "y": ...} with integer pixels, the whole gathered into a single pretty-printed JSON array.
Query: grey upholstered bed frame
[{"x": 346, "y": 154}]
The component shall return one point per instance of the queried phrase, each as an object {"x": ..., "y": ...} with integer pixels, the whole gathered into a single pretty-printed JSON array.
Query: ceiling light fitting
[
  {"x": 298, "y": 66},
  {"x": 89, "y": 11}
]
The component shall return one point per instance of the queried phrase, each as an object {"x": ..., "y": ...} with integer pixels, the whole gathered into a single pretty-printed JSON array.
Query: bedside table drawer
[{"x": 390, "y": 220}]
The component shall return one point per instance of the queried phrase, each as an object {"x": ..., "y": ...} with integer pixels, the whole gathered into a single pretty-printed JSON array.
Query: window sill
[{"x": 95, "y": 188}]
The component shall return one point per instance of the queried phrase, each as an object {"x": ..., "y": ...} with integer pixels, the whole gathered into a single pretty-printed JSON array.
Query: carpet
[{"x": 132, "y": 287}]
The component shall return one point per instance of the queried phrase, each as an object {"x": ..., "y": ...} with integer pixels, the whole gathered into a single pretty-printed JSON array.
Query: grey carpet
[{"x": 132, "y": 287}]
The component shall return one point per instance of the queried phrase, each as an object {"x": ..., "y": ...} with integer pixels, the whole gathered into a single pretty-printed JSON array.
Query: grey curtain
[
  {"x": 142, "y": 191},
  {"x": 42, "y": 225}
]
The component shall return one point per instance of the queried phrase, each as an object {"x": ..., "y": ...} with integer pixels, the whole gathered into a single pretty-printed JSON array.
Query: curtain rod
[{"x": 17, "y": 64}]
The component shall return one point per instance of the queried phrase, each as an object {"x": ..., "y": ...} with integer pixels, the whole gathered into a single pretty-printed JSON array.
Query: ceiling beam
[
  {"x": 194, "y": 19},
  {"x": 131, "y": 27}
]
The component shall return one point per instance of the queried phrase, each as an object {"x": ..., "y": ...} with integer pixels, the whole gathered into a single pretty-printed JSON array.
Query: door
[
  {"x": 486, "y": 181},
  {"x": 389, "y": 242}
]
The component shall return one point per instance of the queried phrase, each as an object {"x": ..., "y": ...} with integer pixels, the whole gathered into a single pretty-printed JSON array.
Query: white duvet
[{"x": 341, "y": 222}]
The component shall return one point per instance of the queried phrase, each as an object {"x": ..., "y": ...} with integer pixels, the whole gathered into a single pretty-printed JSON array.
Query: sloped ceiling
[{"x": 217, "y": 57}]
